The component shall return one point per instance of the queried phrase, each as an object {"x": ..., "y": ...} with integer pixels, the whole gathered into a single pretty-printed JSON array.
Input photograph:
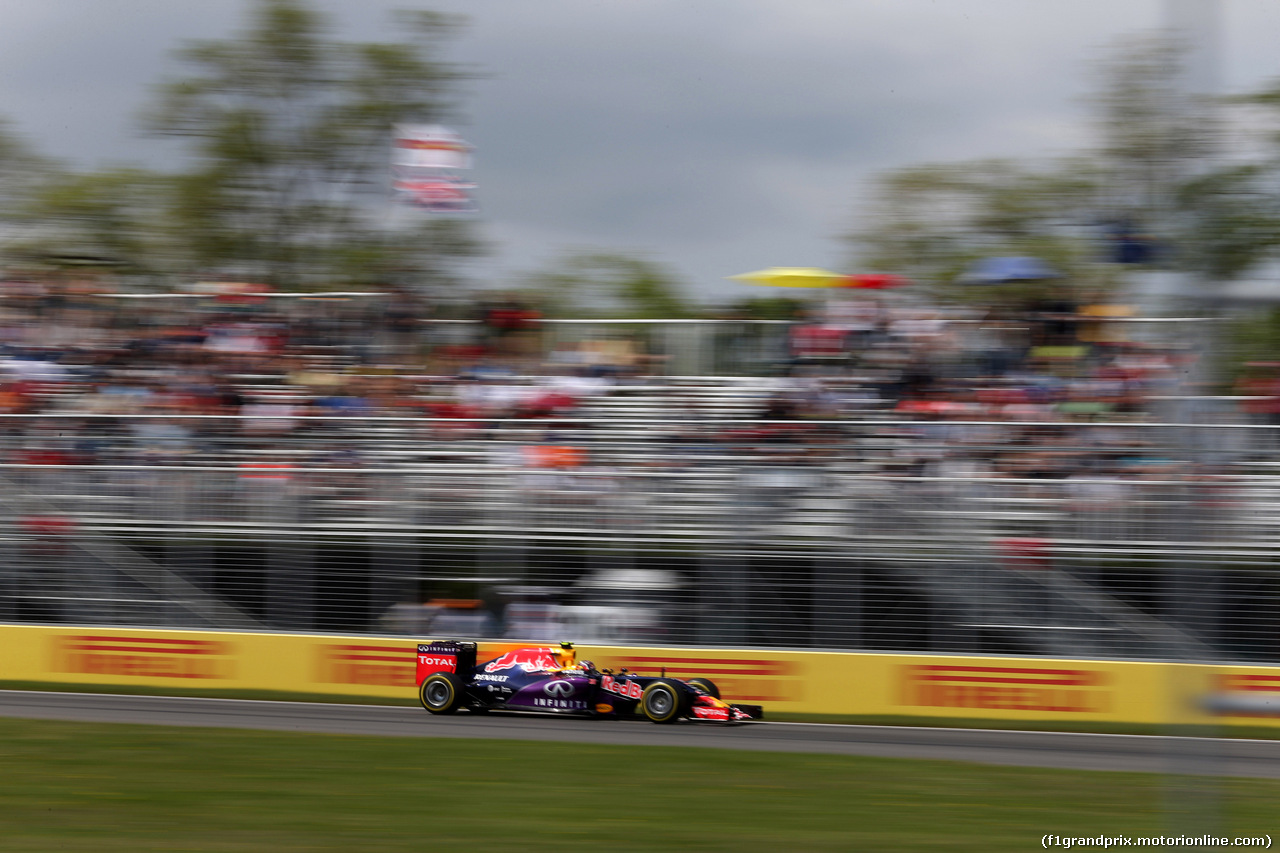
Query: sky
[{"x": 711, "y": 136}]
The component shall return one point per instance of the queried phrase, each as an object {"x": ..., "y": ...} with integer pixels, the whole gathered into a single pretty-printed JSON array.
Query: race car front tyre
[
  {"x": 441, "y": 693},
  {"x": 663, "y": 702},
  {"x": 707, "y": 685}
]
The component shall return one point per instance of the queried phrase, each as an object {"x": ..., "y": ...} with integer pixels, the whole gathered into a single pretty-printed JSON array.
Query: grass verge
[{"x": 100, "y": 787}]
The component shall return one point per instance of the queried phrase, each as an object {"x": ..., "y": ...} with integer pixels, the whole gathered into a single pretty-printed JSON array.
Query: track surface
[{"x": 1226, "y": 757}]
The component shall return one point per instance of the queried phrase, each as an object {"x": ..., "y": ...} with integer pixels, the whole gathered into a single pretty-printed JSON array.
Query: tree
[
  {"x": 292, "y": 132},
  {"x": 1231, "y": 220},
  {"x": 766, "y": 308},
  {"x": 423, "y": 257},
  {"x": 1163, "y": 149},
  {"x": 1153, "y": 134},
  {"x": 21, "y": 169},
  {"x": 932, "y": 222},
  {"x": 60, "y": 218},
  {"x": 608, "y": 285},
  {"x": 1159, "y": 169},
  {"x": 116, "y": 218},
  {"x": 1149, "y": 181}
]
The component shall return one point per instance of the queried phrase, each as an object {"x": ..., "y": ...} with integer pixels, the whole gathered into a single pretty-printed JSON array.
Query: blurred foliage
[
  {"x": 292, "y": 132},
  {"x": 607, "y": 285},
  {"x": 21, "y": 172},
  {"x": 1153, "y": 135},
  {"x": 932, "y": 222},
  {"x": 115, "y": 218},
  {"x": 1235, "y": 220},
  {"x": 768, "y": 308},
  {"x": 1255, "y": 339},
  {"x": 1151, "y": 178},
  {"x": 424, "y": 257}
]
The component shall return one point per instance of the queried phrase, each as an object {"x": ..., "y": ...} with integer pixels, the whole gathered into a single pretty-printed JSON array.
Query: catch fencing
[{"x": 1084, "y": 540}]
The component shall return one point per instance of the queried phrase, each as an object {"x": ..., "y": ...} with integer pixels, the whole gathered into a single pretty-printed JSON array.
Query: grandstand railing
[{"x": 1091, "y": 539}]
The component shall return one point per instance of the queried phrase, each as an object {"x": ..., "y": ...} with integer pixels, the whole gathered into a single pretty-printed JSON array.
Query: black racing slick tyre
[
  {"x": 707, "y": 685},
  {"x": 664, "y": 702},
  {"x": 441, "y": 693}
]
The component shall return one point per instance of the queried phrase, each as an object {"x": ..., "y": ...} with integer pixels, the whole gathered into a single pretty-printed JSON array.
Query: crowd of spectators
[
  {"x": 146, "y": 379},
  {"x": 1044, "y": 363},
  {"x": 1003, "y": 391}
]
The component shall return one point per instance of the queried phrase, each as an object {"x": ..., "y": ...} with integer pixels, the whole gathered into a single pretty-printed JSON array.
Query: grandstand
[{"x": 300, "y": 485}]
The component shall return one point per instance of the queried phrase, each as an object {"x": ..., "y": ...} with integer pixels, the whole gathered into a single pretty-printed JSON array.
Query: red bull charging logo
[{"x": 529, "y": 660}]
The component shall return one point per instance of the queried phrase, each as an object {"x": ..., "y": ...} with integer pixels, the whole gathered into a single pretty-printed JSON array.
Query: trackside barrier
[{"x": 783, "y": 681}]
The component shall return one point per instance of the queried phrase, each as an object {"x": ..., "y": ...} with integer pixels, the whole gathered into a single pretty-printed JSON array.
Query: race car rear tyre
[
  {"x": 707, "y": 685},
  {"x": 664, "y": 702},
  {"x": 441, "y": 693}
]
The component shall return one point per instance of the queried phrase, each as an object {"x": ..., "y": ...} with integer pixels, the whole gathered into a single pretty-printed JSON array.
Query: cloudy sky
[{"x": 713, "y": 136}]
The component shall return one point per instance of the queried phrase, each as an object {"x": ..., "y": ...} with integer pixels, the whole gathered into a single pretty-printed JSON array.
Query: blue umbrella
[{"x": 1005, "y": 270}]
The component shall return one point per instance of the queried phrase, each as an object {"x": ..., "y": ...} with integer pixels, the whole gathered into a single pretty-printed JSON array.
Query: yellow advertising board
[
  {"x": 361, "y": 666},
  {"x": 917, "y": 685},
  {"x": 837, "y": 683}
]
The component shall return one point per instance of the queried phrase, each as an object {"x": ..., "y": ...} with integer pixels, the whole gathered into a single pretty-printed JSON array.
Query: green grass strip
[{"x": 80, "y": 787}]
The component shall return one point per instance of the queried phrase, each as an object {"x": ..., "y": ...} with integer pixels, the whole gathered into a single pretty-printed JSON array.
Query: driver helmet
[{"x": 565, "y": 655}]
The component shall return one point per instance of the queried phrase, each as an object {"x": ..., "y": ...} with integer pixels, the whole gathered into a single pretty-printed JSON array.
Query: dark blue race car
[{"x": 551, "y": 681}]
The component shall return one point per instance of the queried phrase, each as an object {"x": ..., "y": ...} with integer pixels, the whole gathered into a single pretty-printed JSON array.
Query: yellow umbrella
[{"x": 792, "y": 277}]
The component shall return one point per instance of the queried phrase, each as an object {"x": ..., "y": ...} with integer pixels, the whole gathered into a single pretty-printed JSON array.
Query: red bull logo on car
[
  {"x": 627, "y": 689},
  {"x": 703, "y": 712},
  {"x": 529, "y": 660}
]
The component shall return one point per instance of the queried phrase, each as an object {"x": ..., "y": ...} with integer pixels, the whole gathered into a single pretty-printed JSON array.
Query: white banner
[{"x": 428, "y": 165}]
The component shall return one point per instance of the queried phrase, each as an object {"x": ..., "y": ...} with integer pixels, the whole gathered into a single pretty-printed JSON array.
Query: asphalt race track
[{"x": 1216, "y": 756}]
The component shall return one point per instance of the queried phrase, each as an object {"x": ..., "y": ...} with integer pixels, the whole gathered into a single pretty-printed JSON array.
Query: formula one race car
[{"x": 549, "y": 680}]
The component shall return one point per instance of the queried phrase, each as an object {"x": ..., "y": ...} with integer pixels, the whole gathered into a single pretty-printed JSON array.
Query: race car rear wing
[{"x": 445, "y": 656}]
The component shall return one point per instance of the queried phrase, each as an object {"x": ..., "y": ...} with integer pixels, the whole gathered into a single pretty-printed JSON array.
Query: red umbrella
[{"x": 873, "y": 282}]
